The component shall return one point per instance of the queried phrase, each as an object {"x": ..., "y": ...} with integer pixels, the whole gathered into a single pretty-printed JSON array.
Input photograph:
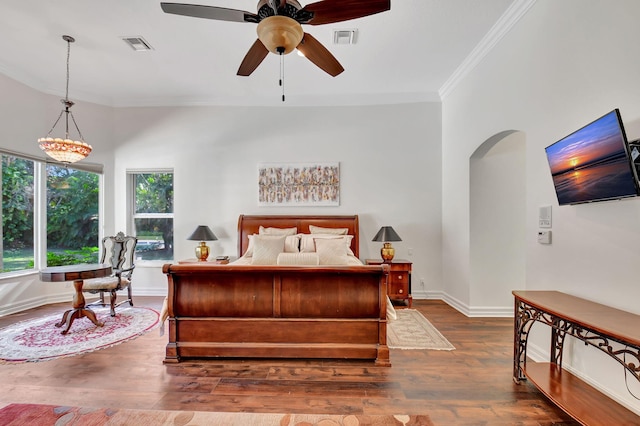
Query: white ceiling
[{"x": 405, "y": 54}]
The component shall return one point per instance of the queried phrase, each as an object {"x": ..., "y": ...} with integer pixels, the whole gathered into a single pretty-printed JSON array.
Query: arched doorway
[{"x": 497, "y": 203}]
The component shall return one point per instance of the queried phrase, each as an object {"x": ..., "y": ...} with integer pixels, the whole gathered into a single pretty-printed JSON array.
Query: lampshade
[
  {"x": 203, "y": 233},
  {"x": 66, "y": 150},
  {"x": 280, "y": 32},
  {"x": 386, "y": 233}
]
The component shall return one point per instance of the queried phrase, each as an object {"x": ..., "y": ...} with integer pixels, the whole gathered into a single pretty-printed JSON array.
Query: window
[
  {"x": 17, "y": 214},
  {"x": 72, "y": 216},
  {"x": 71, "y": 198},
  {"x": 153, "y": 214}
]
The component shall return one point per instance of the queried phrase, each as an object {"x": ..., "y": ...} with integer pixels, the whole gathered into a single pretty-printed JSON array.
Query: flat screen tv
[{"x": 593, "y": 163}]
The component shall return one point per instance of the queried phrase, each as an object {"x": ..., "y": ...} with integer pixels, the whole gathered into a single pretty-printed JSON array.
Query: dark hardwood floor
[{"x": 471, "y": 385}]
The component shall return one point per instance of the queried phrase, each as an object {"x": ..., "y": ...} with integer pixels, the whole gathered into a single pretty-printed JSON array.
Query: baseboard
[
  {"x": 23, "y": 305},
  {"x": 148, "y": 291},
  {"x": 469, "y": 311}
]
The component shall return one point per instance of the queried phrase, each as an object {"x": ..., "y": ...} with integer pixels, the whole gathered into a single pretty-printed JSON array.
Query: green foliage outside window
[
  {"x": 153, "y": 215},
  {"x": 17, "y": 203},
  {"x": 72, "y": 198},
  {"x": 72, "y": 208},
  {"x": 72, "y": 257},
  {"x": 154, "y": 193}
]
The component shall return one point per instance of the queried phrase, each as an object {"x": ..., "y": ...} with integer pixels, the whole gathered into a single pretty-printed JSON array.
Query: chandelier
[{"x": 65, "y": 150}]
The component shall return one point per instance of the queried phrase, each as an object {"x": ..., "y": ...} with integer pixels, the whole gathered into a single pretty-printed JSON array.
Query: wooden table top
[
  {"x": 608, "y": 321},
  {"x": 75, "y": 272}
]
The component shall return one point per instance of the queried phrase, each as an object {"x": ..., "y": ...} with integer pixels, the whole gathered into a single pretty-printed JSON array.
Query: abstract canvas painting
[{"x": 299, "y": 184}]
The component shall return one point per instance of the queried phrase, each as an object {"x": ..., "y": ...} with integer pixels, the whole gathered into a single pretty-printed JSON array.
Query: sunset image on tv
[{"x": 592, "y": 163}]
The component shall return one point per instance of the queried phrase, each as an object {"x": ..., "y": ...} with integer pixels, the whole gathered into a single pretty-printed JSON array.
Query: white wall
[
  {"x": 389, "y": 158},
  {"x": 389, "y": 165},
  {"x": 25, "y": 116},
  {"x": 563, "y": 65}
]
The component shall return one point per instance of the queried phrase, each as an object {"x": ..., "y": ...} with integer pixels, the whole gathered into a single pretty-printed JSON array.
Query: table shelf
[
  {"x": 598, "y": 326},
  {"x": 577, "y": 398}
]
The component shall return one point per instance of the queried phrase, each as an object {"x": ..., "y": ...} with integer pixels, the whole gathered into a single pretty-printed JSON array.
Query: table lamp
[
  {"x": 202, "y": 234},
  {"x": 386, "y": 234}
]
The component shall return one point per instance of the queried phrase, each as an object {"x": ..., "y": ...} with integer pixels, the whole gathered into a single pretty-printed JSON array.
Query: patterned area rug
[
  {"x": 45, "y": 415},
  {"x": 39, "y": 339},
  {"x": 411, "y": 330}
]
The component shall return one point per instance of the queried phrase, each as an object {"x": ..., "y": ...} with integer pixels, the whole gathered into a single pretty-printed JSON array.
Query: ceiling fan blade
[
  {"x": 319, "y": 55},
  {"x": 209, "y": 12},
  {"x": 253, "y": 58},
  {"x": 330, "y": 11}
]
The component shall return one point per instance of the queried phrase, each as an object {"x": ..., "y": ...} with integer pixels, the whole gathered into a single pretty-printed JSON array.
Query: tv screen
[{"x": 593, "y": 164}]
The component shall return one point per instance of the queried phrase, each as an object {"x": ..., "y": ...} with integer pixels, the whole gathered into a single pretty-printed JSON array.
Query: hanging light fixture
[{"x": 65, "y": 150}]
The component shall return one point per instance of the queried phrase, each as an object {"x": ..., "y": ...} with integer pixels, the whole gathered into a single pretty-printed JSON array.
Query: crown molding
[
  {"x": 352, "y": 99},
  {"x": 510, "y": 17}
]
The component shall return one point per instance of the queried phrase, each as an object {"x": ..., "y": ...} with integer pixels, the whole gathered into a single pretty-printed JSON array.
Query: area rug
[
  {"x": 46, "y": 415},
  {"x": 411, "y": 330},
  {"x": 39, "y": 339}
]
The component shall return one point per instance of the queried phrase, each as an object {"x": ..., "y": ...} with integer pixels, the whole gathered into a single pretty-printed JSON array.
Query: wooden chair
[{"x": 119, "y": 252}]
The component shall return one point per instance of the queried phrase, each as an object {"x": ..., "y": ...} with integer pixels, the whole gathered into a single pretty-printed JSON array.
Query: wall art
[{"x": 299, "y": 184}]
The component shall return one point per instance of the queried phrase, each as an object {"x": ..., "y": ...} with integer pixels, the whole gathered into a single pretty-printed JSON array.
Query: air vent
[
  {"x": 345, "y": 36},
  {"x": 137, "y": 43}
]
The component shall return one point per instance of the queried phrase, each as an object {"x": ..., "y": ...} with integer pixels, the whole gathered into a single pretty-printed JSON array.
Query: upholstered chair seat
[{"x": 106, "y": 283}]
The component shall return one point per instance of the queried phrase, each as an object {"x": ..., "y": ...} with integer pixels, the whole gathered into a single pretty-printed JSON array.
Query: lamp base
[
  {"x": 202, "y": 252},
  {"x": 387, "y": 252}
]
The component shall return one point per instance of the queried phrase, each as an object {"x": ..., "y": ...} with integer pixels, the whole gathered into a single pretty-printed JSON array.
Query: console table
[{"x": 597, "y": 325}]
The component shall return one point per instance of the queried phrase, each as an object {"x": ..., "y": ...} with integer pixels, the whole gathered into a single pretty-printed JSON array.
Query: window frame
[
  {"x": 40, "y": 206},
  {"x": 131, "y": 209}
]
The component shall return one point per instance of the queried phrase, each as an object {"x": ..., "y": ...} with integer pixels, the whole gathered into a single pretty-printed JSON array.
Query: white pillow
[
  {"x": 332, "y": 251},
  {"x": 291, "y": 243},
  {"x": 335, "y": 231},
  {"x": 298, "y": 259},
  {"x": 266, "y": 249},
  {"x": 277, "y": 231},
  {"x": 308, "y": 245}
]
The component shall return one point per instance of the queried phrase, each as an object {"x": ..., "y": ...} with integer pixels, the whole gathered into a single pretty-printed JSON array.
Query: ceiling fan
[{"x": 279, "y": 26}]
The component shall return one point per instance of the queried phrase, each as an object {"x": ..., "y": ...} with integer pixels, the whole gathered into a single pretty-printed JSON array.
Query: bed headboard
[{"x": 249, "y": 225}]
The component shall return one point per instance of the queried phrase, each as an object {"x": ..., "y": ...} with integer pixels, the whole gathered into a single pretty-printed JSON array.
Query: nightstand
[{"x": 399, "y": 285}]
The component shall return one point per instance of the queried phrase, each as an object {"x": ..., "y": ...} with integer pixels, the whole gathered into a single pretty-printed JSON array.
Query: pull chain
[{"x": 281, "y": 52}]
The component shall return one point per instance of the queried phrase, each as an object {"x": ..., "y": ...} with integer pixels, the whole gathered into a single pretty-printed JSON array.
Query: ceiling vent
[
  {"x": 137, "y": 43},
  {"x": 345, "y": 36}
]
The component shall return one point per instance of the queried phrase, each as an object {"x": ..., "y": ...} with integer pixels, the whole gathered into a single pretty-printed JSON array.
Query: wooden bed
[{"x": 255, "y": 311}]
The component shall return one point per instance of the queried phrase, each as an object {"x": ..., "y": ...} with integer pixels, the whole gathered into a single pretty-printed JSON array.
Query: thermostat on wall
[{"x": 544, "y": 237}]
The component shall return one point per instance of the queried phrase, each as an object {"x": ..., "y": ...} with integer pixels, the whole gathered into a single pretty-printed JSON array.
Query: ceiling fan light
[{"x": 280, "y": 31}]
